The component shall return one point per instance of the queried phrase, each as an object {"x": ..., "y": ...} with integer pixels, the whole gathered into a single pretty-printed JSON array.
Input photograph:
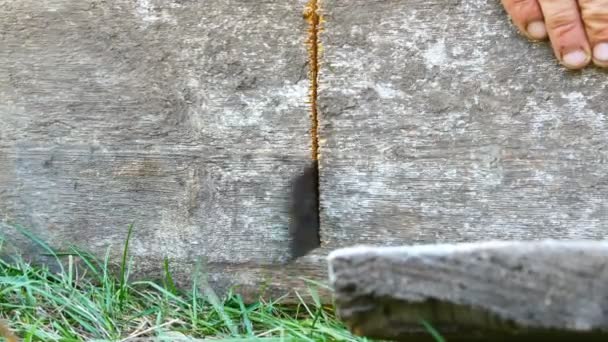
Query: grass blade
[
  {"x": 40, "y": 243},
  {"x": 123, "y": 267},
  {"x": 168, "y": 279},
  {"x": 434, "y": 333}
]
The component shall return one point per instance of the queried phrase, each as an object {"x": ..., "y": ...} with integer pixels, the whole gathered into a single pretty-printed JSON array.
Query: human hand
[{"x": 577, "y": 29}]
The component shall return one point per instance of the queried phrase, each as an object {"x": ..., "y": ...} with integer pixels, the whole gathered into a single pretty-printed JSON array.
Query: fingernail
[
  {"x": 600, "y": 52},
  {"x": 537, "y": 30},
  {"x": 575, "y": 59}
]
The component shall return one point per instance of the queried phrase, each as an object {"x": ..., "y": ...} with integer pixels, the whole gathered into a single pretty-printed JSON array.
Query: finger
[
  {"x": 566, "y": 32},
  {"x": 595, "y": 18},
  {"x": 527, "y": 16}
]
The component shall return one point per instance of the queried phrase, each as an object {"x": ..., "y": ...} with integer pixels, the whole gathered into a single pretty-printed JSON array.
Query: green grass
[{"x": 85, "y": 301}]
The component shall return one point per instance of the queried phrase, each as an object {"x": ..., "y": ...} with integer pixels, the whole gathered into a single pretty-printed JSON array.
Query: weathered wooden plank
[
  {"x": 440, "y": 123},
  {"x": 468, "y": 289},
  {"x": 187, "y": 118}
]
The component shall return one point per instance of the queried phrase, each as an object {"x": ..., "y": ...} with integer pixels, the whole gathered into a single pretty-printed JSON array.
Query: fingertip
[
  {"x": 600, "y": 55},
  {"x": 527, "y": 16},
  {"x": 576, "y": 59},
  {"x": 537, "y": 30}
]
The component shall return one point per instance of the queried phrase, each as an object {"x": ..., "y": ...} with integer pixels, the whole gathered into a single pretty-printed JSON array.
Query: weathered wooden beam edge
[{"x": 545, "y": 288}]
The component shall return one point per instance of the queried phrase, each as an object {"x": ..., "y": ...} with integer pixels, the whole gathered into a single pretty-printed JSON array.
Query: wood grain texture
[
  {"x": 440, "y": 123},
  {"x": 187, "y": 118},
  {"x": 507, "y": 287}
]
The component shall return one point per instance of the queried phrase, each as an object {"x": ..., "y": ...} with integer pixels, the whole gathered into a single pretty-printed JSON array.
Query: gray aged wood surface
[
  {"x": 440, "y": 123},
  {"x": 507, "y": 286},
  {"x": 186, "y": 118}
]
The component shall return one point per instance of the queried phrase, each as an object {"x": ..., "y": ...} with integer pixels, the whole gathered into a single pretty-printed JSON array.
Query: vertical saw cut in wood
[{"x": 304, "y": 222}]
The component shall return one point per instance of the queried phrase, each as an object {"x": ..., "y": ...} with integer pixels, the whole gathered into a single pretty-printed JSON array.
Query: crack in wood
[
  {"x": 311, "y": 14},
  {"x": 305, "y": 201}
]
